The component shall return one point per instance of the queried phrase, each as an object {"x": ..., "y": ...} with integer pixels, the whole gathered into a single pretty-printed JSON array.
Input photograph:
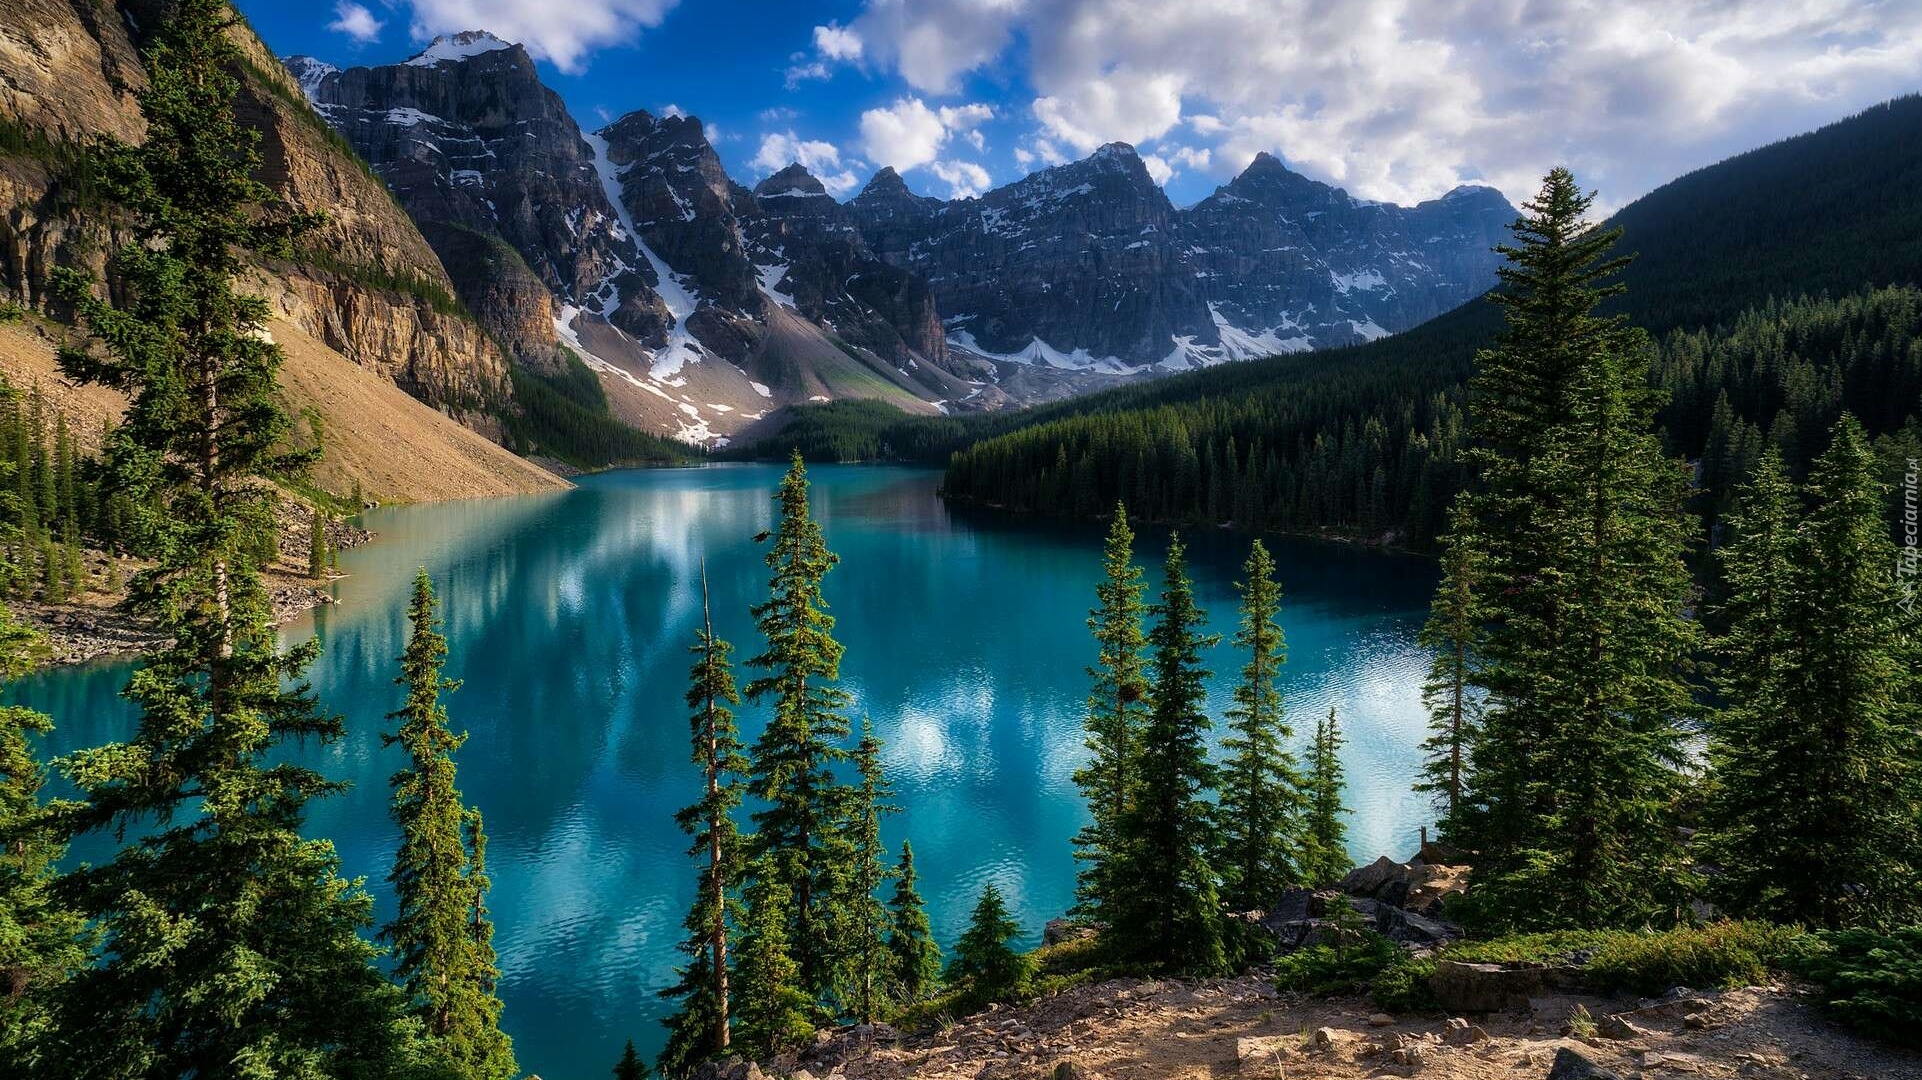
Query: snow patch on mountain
[
  {"x": 1039, "y": 352},
  {"x": 456, "y": 47},
  {"x": 681, "y": 348}
]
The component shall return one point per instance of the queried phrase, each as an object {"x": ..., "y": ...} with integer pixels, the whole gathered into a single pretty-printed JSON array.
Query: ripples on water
[{"x": 569, "y": 616}]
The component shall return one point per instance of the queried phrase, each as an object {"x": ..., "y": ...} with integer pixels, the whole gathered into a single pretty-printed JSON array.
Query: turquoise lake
[{"x": 569, "y": 617}]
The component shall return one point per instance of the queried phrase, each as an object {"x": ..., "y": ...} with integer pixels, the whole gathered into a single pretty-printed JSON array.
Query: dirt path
[{"x": 1243, "y": 1027}]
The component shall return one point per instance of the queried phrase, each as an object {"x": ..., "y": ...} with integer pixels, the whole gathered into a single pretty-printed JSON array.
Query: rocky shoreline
[{"x": 96, "y": 625}]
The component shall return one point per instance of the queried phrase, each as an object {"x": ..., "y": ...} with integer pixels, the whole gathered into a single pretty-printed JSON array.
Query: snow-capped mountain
[{"x": 706, "y": 305}]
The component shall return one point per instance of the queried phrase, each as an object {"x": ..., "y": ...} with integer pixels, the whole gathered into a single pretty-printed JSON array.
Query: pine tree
[
  {"x": 1117, "y": 713},
  {"x": 42, "y": 942},
  {"x": 442, "y": 940},
  {"x": 772, "y": 1010},
  {"x": 1167, "y": 909},
  {"x": 792, "y": 761},
  {"x": 1815, "y": 797},
  {"x": 1325, "y": 844},
  {"x": 631, "y": 1067},
  {"x": 701, "y": 1030},
  {"x": 229, "y": 940},
  {"x": 1578, "y": 534},
  {"x": 1452, "y": 633},
  {"x": 317, "y": 545},
  {"x": 861, "y": 919},
  {"x": 1261, "y": 799},
  {"x": 985, "y": 964},
  {"x": 916, "y": 958}
]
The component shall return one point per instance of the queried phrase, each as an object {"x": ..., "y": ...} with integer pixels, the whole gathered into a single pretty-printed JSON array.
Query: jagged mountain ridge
[{"x": 658, "y": 262}]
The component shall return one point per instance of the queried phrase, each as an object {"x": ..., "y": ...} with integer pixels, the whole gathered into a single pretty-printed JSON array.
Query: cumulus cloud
[
  {"x": 837, "y": 42},
  {"x": 964, "y": 178},
  {"x": 356, "y": 22},
  {"x": 564, "y": 33},
  {"x": 779, "y": 149},
  {"x": 1402, "y": 101},
  {"x": 908, "y": 133}
]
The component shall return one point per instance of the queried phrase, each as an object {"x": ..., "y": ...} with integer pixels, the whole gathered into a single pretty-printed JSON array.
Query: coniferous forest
[{"x": 1673, "y": 681}]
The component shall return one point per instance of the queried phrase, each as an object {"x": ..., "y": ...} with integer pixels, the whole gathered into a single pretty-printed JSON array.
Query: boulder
[
  {"x": 1070, "y": 1070},
  {"x": 1371, "y": 879},
  {"x": 1618, "y": 1026},
  {"x": 1459, "y": 986},
  {"x": 1059, "y": 930},
  {"x": 1460, "y": 1032},
  {"x": 1409, "y": 928},
  {"x": 1572, "y": 1065}
]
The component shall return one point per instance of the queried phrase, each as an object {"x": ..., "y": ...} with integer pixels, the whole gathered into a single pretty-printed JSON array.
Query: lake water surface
[{"x": 569, "y": 616}]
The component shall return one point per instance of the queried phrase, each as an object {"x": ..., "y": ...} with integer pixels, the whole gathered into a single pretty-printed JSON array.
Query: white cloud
[
  {"x": 779, "y": 149},
  {"x": 356, "y": 22},
  {"x": 564, "y": 33},
  {"x": 908, "y": 134},
  {"x": 804, "y": 70},
  {"x": 671, "y": 109},
  {"x": 837, "y": 42},
  {"x": 1158, "y": 168},
  {"x": 1403, "y": 100},
  {"x": 964, "y": 178}
]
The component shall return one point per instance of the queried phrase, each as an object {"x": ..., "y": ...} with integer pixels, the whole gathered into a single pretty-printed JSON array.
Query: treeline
[
  {"x": 1781, "y": 376},
  {"x": 54, "y": 502},
  {"x": 565, "y": 416}
]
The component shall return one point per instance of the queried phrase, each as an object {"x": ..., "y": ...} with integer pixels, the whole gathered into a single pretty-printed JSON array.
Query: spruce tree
[
  {"x": 1324, "y": 856},
  {"x": 772, "y": 1011},
  {"x": 442, "y": 940},
  {"x": 631, "y": 1067},
  {"x": 861, "y": 919},
  {"x": 1117, "y": 713},
  {"x": 1452, "y": 633},
  {"x": 1578, "y": 534},
  {"x": 1167, "y": 908},
  {"x": 229, "y": 940},
  {"x": 1815, "y": 798},
  {"x": 42, "y": 941},
  {"x": 1261, "y": 799},
  {"x": 792, "y": 764},
  {"x": 916, "y": 958},
  {"x": 317, "y": 545},
  {"x": 701, "y": 1029},
  {"x": 985, "y": 964}
]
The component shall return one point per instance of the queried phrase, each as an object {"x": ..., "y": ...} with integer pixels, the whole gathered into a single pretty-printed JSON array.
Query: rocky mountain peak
[
  {"x": 309, "y": 73},
  {"x": 793, "y": 182},
  {"x": 886, "y": 184},
  {"x": 453, "y": 48}
]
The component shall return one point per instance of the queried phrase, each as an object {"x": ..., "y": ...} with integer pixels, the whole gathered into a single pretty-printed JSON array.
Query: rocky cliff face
[{"x": 367, "y": 284}]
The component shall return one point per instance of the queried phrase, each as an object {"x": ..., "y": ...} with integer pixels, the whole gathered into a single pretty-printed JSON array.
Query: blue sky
[{"x": 1392, "y": 99}]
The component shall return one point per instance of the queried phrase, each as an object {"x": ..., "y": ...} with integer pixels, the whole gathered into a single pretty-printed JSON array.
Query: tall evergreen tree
[
  {"x": 1261, "y": 799},
  {"x": 229, "y": 940},
  {"x": 1453, "y": 633},
  {"x": 1117, "y": 713},
  {"x": 772, "y": 1011},
  {"x": 861, "y": 918},
  {"x": 792, "y": 764},
  {"x": 1167, "y": 908},
  {"x": 701, "y": 1029},
  {"x": 42, "y": 942},
  {"x": 1815, "y": 802},
  {"x": 1325, "y": 843},
  {"x": 985, "y": 964},
  {"x": 1577, "y": 533},
  {"x": 917, "y": 959},
  {"x": 442, "y": 940}
]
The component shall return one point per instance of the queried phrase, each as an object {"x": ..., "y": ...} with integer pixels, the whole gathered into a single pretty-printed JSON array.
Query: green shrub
[
  {"x": 1338, "y": 969},
  {"x": 1556, "y": 947},
  {"x": 1720, "y": 955},
  {"x": 11, "y": 312},
  {"x": 1403, "y": 987},
  {"x": 1870, "y": 981}
]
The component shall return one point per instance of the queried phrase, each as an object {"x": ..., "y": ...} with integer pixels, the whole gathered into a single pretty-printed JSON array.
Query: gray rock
[
  {"x": 1572, "y": 1065},
  {"x": 1371, "y": 879},
  {"x": 1459, "y": 986}
]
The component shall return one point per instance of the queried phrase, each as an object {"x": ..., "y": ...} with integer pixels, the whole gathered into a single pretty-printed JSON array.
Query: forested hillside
[{"x": 1362, "y": 441}]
